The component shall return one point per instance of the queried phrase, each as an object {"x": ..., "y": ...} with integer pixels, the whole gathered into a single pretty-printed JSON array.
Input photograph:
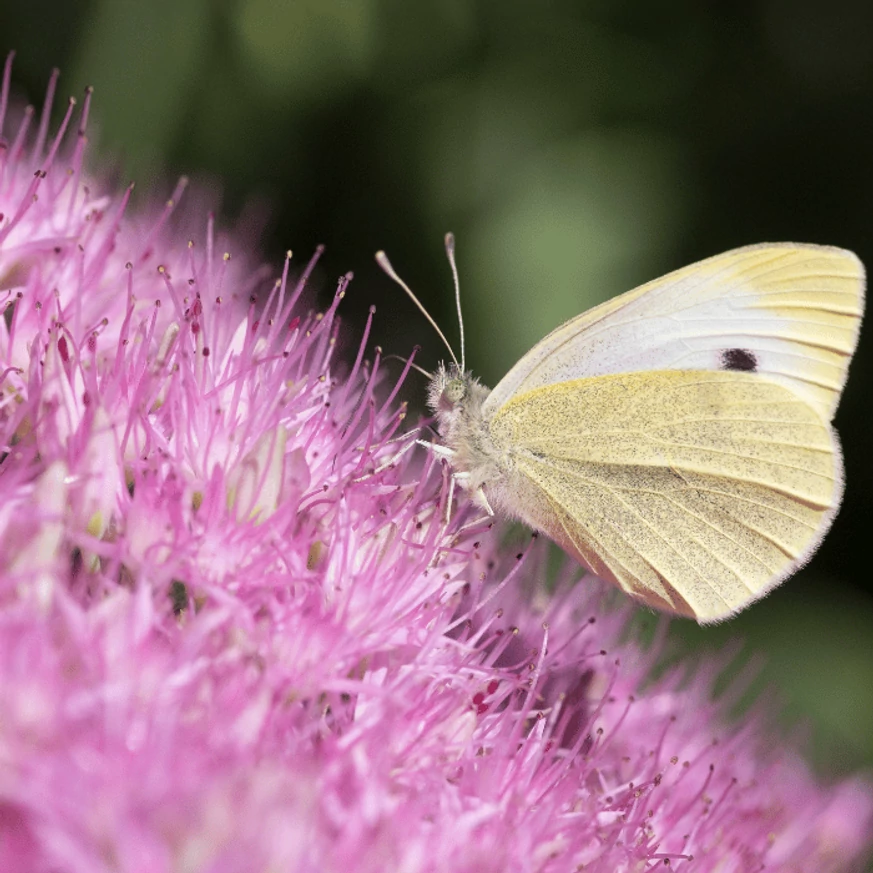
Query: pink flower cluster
[{"x": 236, "y": 633}]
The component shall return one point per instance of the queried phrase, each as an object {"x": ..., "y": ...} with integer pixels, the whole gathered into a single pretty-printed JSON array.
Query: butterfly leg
[
  {"x": 478, "y": 496},
  {"x": 393, "y": 459},
  {"x": 437, "y": 449},
  {"x": 447, "y": 453},
  {"x": 451, "y": 498},
  {"x": 457, "y": 478},
  {"x": 385, "y": 465}
]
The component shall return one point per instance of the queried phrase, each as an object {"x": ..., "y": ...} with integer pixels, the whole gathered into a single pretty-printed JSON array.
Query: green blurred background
[{"x": 576, "y": 149}]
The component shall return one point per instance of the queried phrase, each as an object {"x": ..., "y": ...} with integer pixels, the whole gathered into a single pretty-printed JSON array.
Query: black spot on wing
[{"x": 739, "y": 359}]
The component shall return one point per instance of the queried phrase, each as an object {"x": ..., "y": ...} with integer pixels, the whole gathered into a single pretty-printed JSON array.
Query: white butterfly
[{"x": 676, "y": 440}]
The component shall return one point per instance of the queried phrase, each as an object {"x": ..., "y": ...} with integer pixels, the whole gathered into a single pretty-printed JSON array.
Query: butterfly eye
[{"x": 455, "y": 391}]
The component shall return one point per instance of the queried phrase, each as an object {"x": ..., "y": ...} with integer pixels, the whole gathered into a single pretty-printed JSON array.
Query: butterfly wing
[
  {"x": 789, "y": 312},
  {"x": 696, "y": 492}
]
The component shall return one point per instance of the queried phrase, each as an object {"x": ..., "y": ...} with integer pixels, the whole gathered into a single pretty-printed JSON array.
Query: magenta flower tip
[{"x": 236, "y": 632}]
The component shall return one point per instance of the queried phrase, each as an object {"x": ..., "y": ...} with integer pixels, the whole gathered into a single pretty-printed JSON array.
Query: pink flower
[{"x": 236, "y": 633}]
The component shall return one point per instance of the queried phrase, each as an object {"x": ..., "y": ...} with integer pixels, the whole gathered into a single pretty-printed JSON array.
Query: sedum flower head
[{"x": 236, "y": 633}]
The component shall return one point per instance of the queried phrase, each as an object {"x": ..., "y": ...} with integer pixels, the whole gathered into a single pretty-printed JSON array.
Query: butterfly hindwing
[{"x": 694, "y": 491}]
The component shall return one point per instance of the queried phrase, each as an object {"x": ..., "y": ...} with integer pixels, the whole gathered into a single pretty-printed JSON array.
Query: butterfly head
[
  {"x": 454, "y": 396},
  {"x": 448, "y": 388}
]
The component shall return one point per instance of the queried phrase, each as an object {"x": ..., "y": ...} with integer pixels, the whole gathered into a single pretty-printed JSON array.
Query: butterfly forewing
[
  {"x": 694, "y": 491},
  {"x": 786, "y": 311}
]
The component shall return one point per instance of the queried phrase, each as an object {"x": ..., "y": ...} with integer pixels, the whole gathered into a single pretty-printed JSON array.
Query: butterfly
[{"x": 676, "y": 440}]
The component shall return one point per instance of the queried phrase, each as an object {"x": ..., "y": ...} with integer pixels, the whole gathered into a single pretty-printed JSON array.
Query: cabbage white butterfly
[{"x": 677, "y": 439}]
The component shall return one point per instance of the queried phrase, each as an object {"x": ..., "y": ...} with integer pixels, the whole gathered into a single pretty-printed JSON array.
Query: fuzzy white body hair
[{"x": 481, "y": 464}]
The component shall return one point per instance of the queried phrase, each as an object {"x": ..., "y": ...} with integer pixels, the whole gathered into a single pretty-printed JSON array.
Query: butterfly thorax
[{"x": 456, "y": 399}]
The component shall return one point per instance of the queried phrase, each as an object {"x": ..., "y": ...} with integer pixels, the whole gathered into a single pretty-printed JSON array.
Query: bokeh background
[{"x": 576, "y": 150}]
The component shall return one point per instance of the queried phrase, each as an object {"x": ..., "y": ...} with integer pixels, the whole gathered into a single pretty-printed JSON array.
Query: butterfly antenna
[
  {"x": 411, "y": 364},
  {"x": 385, "y": 264},
  {"x": 450, "y": 254}
]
